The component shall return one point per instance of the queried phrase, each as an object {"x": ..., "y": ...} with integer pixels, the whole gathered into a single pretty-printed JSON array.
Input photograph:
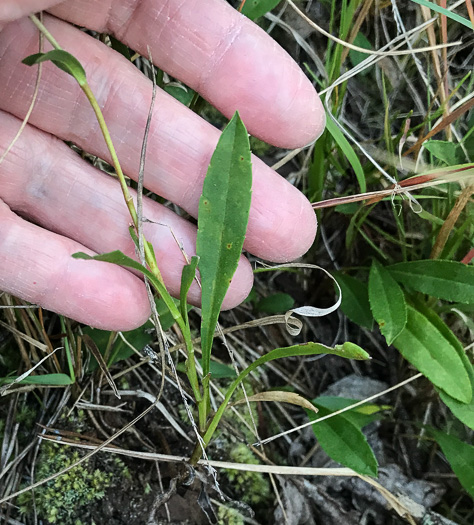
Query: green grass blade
[
  {"x": 222, "y": 222},
  {"x": 45, "y": 379},
  {"x": 443, "y": 11},
  {"x": 348, "y": 151}
]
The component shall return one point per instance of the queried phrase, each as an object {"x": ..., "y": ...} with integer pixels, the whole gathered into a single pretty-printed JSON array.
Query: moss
[
  {"x": 252, "y": 487},
  {"x": 60, "y": 500},
  {"x": 229, "y": 516}
]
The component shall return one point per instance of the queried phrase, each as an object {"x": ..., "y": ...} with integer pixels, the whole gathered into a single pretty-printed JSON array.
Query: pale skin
[{"x": 53, "y": 203}]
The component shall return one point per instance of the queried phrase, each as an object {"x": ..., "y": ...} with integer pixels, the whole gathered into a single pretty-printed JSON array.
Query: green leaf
[
  {"x": 255, "y": 8},
  {"x": 444, "y": 151},
  {"x": 222, "y": 222},
  {"x": 460, "y": 456},
  {"x": 344, "y": 442},
  {"x": 448, "y": 280},
  {"x": 463, "y": 411},
  {"x": 348, "y": 151},
  {"x": 187, "y": 278},
  {"x": 276, "y": 303},
  {"x": 218, "y": 370},
  {"x": 425, "y": 347},
  {"x": 356, "y": 57},
  {"x": 360, "y": 416},
  {"x": 119, "y": 258},
  {"x": 120, "y": 47},
  {"x": 181, "y": 93},
  {"x": 221, "y": 371},
  {"x": 45, "y": 379},
  {"x": 61, "y": 59},
  {"x": 443, "y": 11},
  {"x": 355, "y": 300},
  {"x": 387, "y": 302},
  {"x": 346, "y": 350}
]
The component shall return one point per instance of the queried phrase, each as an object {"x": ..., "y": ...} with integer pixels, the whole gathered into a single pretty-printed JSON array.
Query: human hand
[{"x": 74, "y": 207}]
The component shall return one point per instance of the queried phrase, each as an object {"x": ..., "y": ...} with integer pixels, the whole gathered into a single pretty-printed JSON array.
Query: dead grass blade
[
  {"x": 449, "y": 119},
  {"x": 88, "y": 341},
  {"x": 450, "y": 221},
  {"x": 33, "y": 100},
  {"x": 362, "y": 49},
  {"x": 394, "y": 502},
  {"x": 417, "y": 182}
]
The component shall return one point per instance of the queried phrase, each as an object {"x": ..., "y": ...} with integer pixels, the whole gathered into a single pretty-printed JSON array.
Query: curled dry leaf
[{"x": 280, "y": 396}]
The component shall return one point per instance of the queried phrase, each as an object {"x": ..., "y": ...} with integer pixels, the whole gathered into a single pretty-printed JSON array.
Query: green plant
[
  {"x": 406, "y": 290},
  {"x": 222, "y": 223}
]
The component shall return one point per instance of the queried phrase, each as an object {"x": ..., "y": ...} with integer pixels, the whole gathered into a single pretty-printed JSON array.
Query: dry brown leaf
[{"x": 280, "y": 396}]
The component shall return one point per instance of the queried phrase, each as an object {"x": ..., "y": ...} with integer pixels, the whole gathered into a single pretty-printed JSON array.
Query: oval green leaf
[
  {"x": 61, "y": 59},
  {"x": 222, "y": 222},
  {"x": 387, "y": 302},
  {"x": 460, "y": 456},
  {"x": 448, "y": 280},
  {"x": 344, "y": 442},
  {"x": 360, "y": 416},
  {"x": 275, "y": 303},
  {"x": 355, "y": 300},
  {"x": 463, "y": 411},
  {"x": 425, "y": 347}
]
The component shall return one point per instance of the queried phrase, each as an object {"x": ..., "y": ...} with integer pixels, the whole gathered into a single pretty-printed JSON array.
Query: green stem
[
  {"x": 49, "y": 37},
  {"x": 68, "y": 350},
  {"x": 207, "y": 435},
  {"x": 149, "y": 255}
]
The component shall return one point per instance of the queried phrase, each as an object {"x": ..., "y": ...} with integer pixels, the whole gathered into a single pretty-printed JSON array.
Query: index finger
[{"x": 218, "y": 52}]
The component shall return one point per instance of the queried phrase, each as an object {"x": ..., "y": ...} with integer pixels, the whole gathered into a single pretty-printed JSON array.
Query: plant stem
[
  {"x": 68, "y": 350},
  {"x": 149, "y": 256},
  {"x": 49, "y": 37},
  {"x": 148, "y": 249}
]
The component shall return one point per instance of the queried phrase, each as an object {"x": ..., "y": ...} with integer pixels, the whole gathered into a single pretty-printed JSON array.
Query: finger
[
  {"x": 214, "y": 49},
  {"x": 14, "y": 9},
  {"x": 282, "y": 223},
  {"x": 37, "y": 266},
  {"x": 43, "y": 179}
]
